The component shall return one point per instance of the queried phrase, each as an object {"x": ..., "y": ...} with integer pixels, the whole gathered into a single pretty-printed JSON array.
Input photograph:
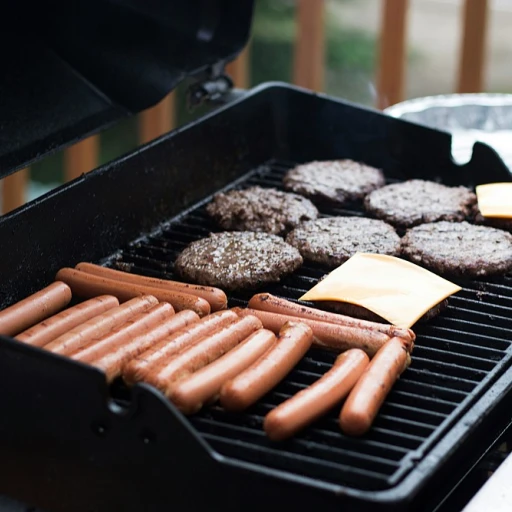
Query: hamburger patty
[
  {"x": 237, "y": 260},
  {"x": 335, "y": 182},
  {"x": 494, "y": 222},
  {"x": 260, "y": 209},
  {"x": 332, "y": 241},
  {"x": 459, "y": 248},
  {"x": 415, "y": 202},
  {"x": 354, "y": 310}
]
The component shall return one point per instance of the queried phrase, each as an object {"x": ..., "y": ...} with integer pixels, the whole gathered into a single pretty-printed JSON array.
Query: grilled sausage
[
  {"x": 327, "y": 335},
  {"x": 49, "y": 329},
  {"x": 273, "y": 304},
  {"x": 294, "y": 340},
  {"x": 96, "y": 327},
  {"x": 31, "y": 310},
  {"x": 88, "y": 285},
  {"x": 215, "y": 296},
  {"x": 151, "y": 360},
  {"x": 135, "y": 326},
  {"x": 190, "y": 393},
  {"x": 312, "y": 402},
  {"x": 365, "y": 399},
  {"x": 117, "y": 353},
  {"x": 210, "y": 348}
]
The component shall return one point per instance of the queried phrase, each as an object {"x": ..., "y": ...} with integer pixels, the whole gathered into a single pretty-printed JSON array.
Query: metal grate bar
[
  {"x": 501, "y": 305},
  {"x": 431, "y": 390},
  {"x": 482, "y": 318},
  {"x": 470, "y": 339},
  {"x": 461, "y": 360},
  {"x": 451, "y": 369},
  {"x": 464, "y": 349},
  {"x": 447, "y": 380},
  {"x": 413, "y": 413},
  {"x": 289, "y": 461},
  {"x": 428, "y": 402}
]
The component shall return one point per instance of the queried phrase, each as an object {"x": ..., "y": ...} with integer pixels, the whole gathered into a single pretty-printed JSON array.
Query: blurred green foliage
[{"x": 349, "y": 59}]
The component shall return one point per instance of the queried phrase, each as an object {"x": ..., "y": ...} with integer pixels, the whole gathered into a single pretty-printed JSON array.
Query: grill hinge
[{"x": 214, "y": 86}]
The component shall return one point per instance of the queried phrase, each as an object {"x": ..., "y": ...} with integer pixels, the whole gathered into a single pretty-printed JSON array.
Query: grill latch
[{"x": 213, "y": 86}]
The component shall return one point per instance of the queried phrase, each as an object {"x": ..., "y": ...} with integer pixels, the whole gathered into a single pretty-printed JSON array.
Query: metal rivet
[
  {"x": 100, "y": 429},
  {"x": 147, "y": 436}
]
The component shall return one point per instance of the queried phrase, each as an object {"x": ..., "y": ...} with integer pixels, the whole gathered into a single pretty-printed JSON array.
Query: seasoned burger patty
[
  {"x": 332, "y": 241},
  {"x": 260, "y": 209},
  {"x": 334, "y": 182},
  {"x": 494, "y": 222},
  {"x": 237, "y": 260},
  {"x": 459, "y": 248},
  {"x": 345, "y": 308},
  {"x": 415, "y": 202}
]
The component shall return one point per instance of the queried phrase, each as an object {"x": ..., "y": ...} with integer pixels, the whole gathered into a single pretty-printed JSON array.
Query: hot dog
[
  {"x": 327, "y": 335},
  {"x": 49, "y": 329},
  {"x": 312, "y": 402},
  {"x": 273, "y": 304},
  {"x": 135, "y": 326},
  {"x": 31, "y": 310},
  {"x": 117, "y": 352},
  {"x": 96, "y": 327},
  {"x": 190, "y": 393},
  {"x": 151, "y": 360},
  {"x": 88, "y": 285},
  {"x": 246, "y": 388},
  {"x": 215, "y": 296},
  {"x": 210, "y": 348},
  {"x": 365, "y": 399}
]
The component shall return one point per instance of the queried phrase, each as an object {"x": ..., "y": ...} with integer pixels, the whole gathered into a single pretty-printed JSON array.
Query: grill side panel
[{"x": 97, "y": 213}]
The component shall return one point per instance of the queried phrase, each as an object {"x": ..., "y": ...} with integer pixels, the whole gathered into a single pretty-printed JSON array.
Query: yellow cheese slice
[
  {"x": 495, "y": 200},
  {"x": 395, "y": 289}
]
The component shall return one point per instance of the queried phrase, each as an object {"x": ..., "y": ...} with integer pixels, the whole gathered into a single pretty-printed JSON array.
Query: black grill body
[{"x": 71, "y": 443}]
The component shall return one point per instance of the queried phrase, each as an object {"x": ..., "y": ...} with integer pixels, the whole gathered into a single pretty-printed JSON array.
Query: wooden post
[
  {"x": 472, "y": 57},
  {"x": 238, "y": 69},
  {"x": 14, "y": 190},
  {"x": 392, "y": 53},
  {"x": 157, "y": 120},
  {"x": 309, "y": 58},
  {"x": 81, "y": 158}
]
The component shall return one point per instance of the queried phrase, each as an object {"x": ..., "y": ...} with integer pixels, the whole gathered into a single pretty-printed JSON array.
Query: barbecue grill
[{"x": 70, "y": 442}]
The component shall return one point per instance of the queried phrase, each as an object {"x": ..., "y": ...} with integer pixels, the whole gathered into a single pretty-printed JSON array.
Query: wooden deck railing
[
  {"x": 308, "y": 71},
  {"x": 472, "y": 58},
  {"x": 157, "y": 120},
  {"x": 390, "y": 81}
]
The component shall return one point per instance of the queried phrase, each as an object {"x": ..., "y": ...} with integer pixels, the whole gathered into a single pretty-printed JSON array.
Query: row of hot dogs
[{"x": 182, "y": 339}]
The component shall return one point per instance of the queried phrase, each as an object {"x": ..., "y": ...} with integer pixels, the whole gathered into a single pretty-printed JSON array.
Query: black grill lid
[{"x": 70, "y": 69}]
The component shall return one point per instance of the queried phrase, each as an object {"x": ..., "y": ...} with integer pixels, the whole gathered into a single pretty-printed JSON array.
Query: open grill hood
[{"x": 71, "y": 69}]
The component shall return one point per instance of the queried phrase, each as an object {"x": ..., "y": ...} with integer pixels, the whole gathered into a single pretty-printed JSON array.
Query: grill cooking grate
[{"x": 456, "y": 355}]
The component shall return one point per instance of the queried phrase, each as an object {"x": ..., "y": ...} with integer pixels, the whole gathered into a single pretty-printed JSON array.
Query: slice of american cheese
[
  {"x": 395, "y": 289},
  {"x": 495, "y": 200}
]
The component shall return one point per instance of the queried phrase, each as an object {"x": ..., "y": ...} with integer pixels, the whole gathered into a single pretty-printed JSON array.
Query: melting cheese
[
  {"x": 495, "y": 200},
  {"x": 395, "y": 289}
]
